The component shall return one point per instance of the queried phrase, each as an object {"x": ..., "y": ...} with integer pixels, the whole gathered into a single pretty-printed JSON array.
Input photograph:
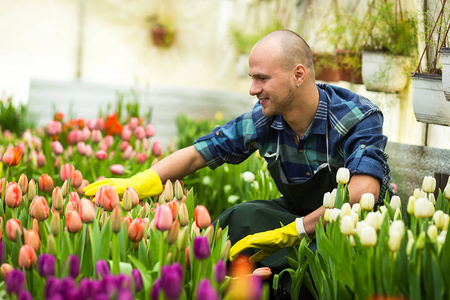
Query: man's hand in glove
[
  {"x": 270, "y": 241},
  {"x": 146, "y": 184}
]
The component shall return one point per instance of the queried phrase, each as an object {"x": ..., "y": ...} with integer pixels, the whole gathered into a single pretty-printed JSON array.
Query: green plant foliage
[{"x": 15, "y": 119}]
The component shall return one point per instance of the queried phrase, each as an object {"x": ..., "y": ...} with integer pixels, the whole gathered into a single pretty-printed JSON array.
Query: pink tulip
[
  {"x": 57, "y": 148},
  {"x": 91, "y": 124},
  {"x": 13, "y": 195},
  {"x": 53, "y": 128},
  {"x": 101, "y": 155},
  {"x": 149, "y": 130},
  {"x": 74, "y": 136},
  {"x": 123, "y": 145},
  {"x": 109, "y": 140},
  {"x": 111, "y": 155},
  {"x": 87, "y": 211},
  {"x": 39, "y": 208},
  {"x": 41, "y": 160},
  {"x": 128, "y": 153},
  {"x": 85, "y": 134},
  {"x": 81, "y": 146},
  {"x": 89, "y": 151},
  {"x": 66, "y": 171},
  {"x": 157, "y": 148},
  {"x": 263, "y": 272},
  {"x": 141, "y": 158},
  {"x": 100, "y": 124},
  {"x": 27, "y": 257},
  {"x": 76, "y": 179},
  {"x": 132, "y": 194},
  {"x": 71, "y": 205},
  {"x": 117, "y": 169},
  {"x": 73, "y": 196},
  {"x": 12, "y": 156},
  {"x": 57, "y": 198},
  {"x": 140, "y": 132},
  {"x": 45, "y": 183},
  {"x": 32, "y": 238},
  {"x": 103, "y": 146},
  {"x": 12, "y": 228},
  {"x": 116, "y": 220},
  {"x": 134, "y": 122},
  {"x": 136, "y": 230},
  {"x": 202, "y": 217},
  {"x": 84, "y": 184},
  {"x": 107, "y": 197},
  {"x": 126, "y": 133},
  {"x": 163, "y": 217},
  {"x": 23, "y": 183},
  {"x": 73, "y": 221},
  {"x": 96, "y": 136}
]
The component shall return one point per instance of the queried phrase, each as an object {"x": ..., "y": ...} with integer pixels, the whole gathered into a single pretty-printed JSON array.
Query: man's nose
[{"x": 255, "y": 89}]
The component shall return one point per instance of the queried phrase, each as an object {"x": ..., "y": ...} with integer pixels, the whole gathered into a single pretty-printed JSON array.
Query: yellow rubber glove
[
  {"x": 146, "y": 184},
  {"x": 270, "y": 241}
]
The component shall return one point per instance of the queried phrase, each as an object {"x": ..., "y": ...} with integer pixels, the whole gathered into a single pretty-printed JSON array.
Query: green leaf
[
  {"x": 103, "y": 248},
  {"x": 146, "y": 278}
]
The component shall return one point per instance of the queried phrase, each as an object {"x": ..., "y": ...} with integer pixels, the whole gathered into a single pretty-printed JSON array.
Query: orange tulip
[
  {"x": 5, "y": 269},
  {"x": 202, "y": 217},
  {"x": 57, "y": 198},
  {"x": 87, "y": 210},
  {"x": 107, "y": 197},
  {"x": 13, "y": 195},
  {"x": 84, "y": 184},
  {"x": 174, "y": 206},
  {"x": 136, "y": 230},
  {"x": 73, "y": 221},
  {"x": 45, "y": 183},
  {"x": 73, "y": 196},
  {"x": 39, "y": 208},
  {"x": 71, "y": 205},
  {"x": 116, "y": 220},
  {"x": 263, "y": 272},
  {"x": 76, "y": 179},
  {"x": 27, "y": 256},
  {"x": 12, "y": 227},
  {"x": 66, "y": 171},
  {"x": 32, "y": 238},
  {"x": 12, "y": 156},
  {"x": 127, "y": 220}
]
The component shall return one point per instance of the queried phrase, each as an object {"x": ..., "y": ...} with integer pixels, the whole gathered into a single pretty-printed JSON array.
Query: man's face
[{"x": 271, "y": 84}]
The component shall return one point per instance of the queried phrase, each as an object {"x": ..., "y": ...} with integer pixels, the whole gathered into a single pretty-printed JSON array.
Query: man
[{"x": 304, "y": 130}]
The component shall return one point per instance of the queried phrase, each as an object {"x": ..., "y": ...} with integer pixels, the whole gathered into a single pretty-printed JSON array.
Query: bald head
[{"x": 293, "y": 49}]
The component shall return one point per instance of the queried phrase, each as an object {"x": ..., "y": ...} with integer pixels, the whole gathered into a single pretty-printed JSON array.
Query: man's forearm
[{"x": 179, "y": 164}]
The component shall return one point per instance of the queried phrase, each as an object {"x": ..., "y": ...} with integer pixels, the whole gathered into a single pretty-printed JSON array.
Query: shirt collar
[{"x": 319, "y": 122}]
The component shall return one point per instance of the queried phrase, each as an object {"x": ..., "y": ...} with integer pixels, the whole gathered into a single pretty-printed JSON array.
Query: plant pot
[
  {"x": 384, "y": 72},
  {"x": 446, "y": 72},
  {"x": 429, "y": 103},
  {"x": 162, "y": 37},
  {"x": 325, "y": 67},
  {"x": 349, "y": 65}
]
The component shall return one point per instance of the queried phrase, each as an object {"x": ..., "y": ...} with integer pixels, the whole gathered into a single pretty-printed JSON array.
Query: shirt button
[
  {"x": 300, "y": 150},
  {"x": 217, "y": 132},
  {"x": 363, "y": 146},
  {"x": 308, "y": 173}
]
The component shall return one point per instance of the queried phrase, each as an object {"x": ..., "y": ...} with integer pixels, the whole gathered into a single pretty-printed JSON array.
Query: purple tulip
[
  {"x": 25, "y": 295},
  {"x": 74, "y": 266},
  {"x": 67, "y": 285},
  {"x": 256, "y": 286},
  {"x": 109, "y": 285},
  {"x": 220, "y": 271},
  {"x": 205, "y": 291},
  {"x": 123, "y": 281},
  {"x": 156, "y": 289},
  {"x": 46, "y": 265},
  {"x": 102, "y": 269},
  {"x": 88, "y": 288},
  {"x": 52, "y": 287},
  {"x": 201, "y": 247},
  {"x": 125, "y": 294},
  {"x": 171, "y": 280},
  {"x": 137, "y": 278},
  {"x": 15, "y": 282}
]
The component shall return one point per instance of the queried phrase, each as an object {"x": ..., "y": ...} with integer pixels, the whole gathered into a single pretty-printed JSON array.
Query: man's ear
[{"x": 299, "y": 73}]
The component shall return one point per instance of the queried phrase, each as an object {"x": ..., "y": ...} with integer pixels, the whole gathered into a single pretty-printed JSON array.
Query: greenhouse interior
[{"x": 224, "y": 149}]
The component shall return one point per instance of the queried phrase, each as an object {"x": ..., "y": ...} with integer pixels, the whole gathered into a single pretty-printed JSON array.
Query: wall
[{"x": 107, "y": 41}]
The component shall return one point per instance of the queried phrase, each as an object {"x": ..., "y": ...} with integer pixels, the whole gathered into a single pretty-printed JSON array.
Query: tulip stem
[
  {"x": 115, "y": 254},
  {"x": 161, "y": 252},
  {"x": 5, "y": 183}
]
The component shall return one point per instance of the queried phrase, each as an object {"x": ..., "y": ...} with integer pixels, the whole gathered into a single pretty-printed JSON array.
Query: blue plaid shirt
[{"x": 355, "y": 138}]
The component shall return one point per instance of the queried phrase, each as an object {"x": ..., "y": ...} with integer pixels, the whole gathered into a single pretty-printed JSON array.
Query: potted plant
[
  {"x": 326, "y": 67},
  {"x": 390, "y": 43},
  {"x": 162, "y": 26},
  {"x": 429, "y": 102}
]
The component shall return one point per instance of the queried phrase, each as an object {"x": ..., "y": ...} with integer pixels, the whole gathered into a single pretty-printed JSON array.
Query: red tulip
[
  {"x": 66, "y": 171},
  {"x": 73, "y": 221},
  {"x": 141, "y": 158},
  {"x": 87, "y": 211},
  {"x": 12, "y": 156},
  {"x": 32, "y": 238},
  {"x": 27, "y": 256},
  {"x": 12, "y": 227},
  {"x": 127, "y": 220},
  {"x": 136, "y": 230},
  {"x": 13, "y": 195},
  {"x": 45, "y": 183},
  {"x": 107, "y": 197},
  {"x": 39, "y": 208},
  {"x": 202, "y": 217},
  {"x": 76, "y": 179},
  {"x": 163, "y": 217}
]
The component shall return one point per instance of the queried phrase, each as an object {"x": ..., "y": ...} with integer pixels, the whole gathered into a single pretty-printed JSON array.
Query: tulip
[
  {"x": 15, "y": 282},
  {"x": 368, "y": 236},
  {"x": 96, "y": 136},
  {"x": 45, "y": 183},
  {"x": 23, "y": 183},
  {"x": 171, "y": 280},
  {"x": 248, "y": 177},
  {"x": 51, "y": 244},
  {"x": 39, "y": 208},
  {"x": 331, "y": 214},
  {"x": 65, "y": 188},
  {"x": 12, "y": 229},
  {"x": 183, "y": 214},
  {"x": 394, "y": 241},
  {"x": 347, "y": 225},
  {"x": 41, "y": 160},
  {"x": 410, "y": 205},
  {"x": 343, "y": 175},
  {"x": 420, "y": 242},
  {"x": 423, "y": 208},
  {"x": 183, "y": 238},
  {"x": 328, "y": 200},
  {"x": 27, "y": 256},
  {"x": 117, "y": 169},
  {"x": 367, "y": 201},
  {"x": 57, "y": 148},
  {"x": 73, "y": 222},
  {"x": 87, "y": 211},
  {"x": 346, "y": 209},
  {"x": 429, "y": 184},
  {"x": 149, "y": 130},
  {"x": 71, "y": 206},
  {"x": 220, "y": 271},
  {"x": 74, "y": 137},
  {"x": 447, "y": 191},
  {"x": 201, "y": 247},
  {"x": 12, "y": 156},
  {"x": 157, "y": 148},
  {"x": 116, "y": 220},
  {"x": 396, "y": 203},
  {"x": 202, "y": 217},
  {"x": 172, "y": 234},
  {"x": 137, "y": 279},
  {"x": 432, "y": 233},
  {"x": 102, "y": 269},
  {"x": 32, "y": 238},
  {"x": 136, "y": 230},
  {"x": 263, "y": 272},
  {"x": 441, "y": 220},
  {"x": 205, "y": 291},
  {"x": 127, "y": 220},
  {"x": 1, "y": 243},
  {"x": 57, "y": 198},
  {"x": 88, "y": 151},
  {"x": 209, "y": 233},
  {"x": 84, "y": 183},
  {"x": 46, "y": 265},
  {"x": 76, "y": 179},
  {"x": 101, "y": 155},
  {"x": 13, "y": 195},
  {"x": 74, "y": 266},
  {"x": 174, "y": 206},
  {"x": 163, "y": 217},
  {"x": 374, "y": 219},
  {"x": 66, "y": 171},
  {"x": 128, "y": 153},
  {"x": 53, "y": 128},
  {"x": 55, "y": 225},
  {"x": 107, "y": 197},
  {"x": 140, "y": 132},
  {"x": 131, "y": 193},
  {"x": 5, "y": 269}
]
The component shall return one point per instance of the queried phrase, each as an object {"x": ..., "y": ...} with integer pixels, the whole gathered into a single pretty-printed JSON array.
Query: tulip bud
[
  {"x": 117, "y": 169},
  {"x": 395, "y": 202},
  {"x": 87, "y": 211},
  {"x": 418, "y": 193},
  {"x": 32, "y": 238},
  {"x": 346, "y": 209},
  {"x": 343, "y": 175},
  {"x": 178, "y": 189},
  {"x": 27, "y": 257},
  {"x": 12, "y": 156},
  {"x": 107, "y": 197},
  {"x": 127, "y": 220},
  {"x": 202, "y": 217},
  {"x": 76, "y": 179},
  {"x": 429, "y": 184},
  {"x": 51, "y": 244},
  {"x": 395, "y": 239},
  {"x": 12, "y": 229},
  {"x": 356, "y": 208},
  {"x": 73, "y": 222},
  {"x": 347, "y": 227},
  {"x": 432, "y": 233},
  {"x": 23, "y": 183},
  {"x": 225, "y": 252},
  {"x": 46, "y": 265},
  {"x": 368, "y": 236},
  {"x": 136, "y": 230},
  {"x": 374, "y": 219},
  {"x": 183, "y": 214},
  {"x": 101, "y": 155},
  {"x": 183, "y": 238},
  {"x": 248, "y": 177},
  {"x": 328, "y": 200},
  {"x": 209, "y": 234},
  {"x": 57, "y": 148},
  {"x": 5, "y": 269},
  {"x": 31, "y": 193},
  {"x": 218, "y": 235},
  {"x": 263, "y": 272},
  {"x": 172, "y": 234},
  {"x": 447, "y": 191},
  {"x": 103, "y": 218},
  {"x": 367, "y": 201},
  {"x": 420, "y": 243},
  {"x": 201, "y": 248},
  {"x": 39, "y": 208},
  {"x": 55, "y": 224},
  {"x": 421, "y": 208},
  {"x": 410, "y": 206},
  {"x": 163, "y": 217},
  {"x": 72, "y": 205},
  {"x": 126, "y": 201},
  {"x": 57, "y": 198},
  {"x": 13, "y": 195},
  {"x": 116, "y": 220}
]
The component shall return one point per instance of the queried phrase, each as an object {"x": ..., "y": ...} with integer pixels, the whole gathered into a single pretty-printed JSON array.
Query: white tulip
[
  {"x": 368, "y": 237},
  {"x": 347, "y": 227},
  {"x": 421, "y": 208},
  {"x": 333, "y": 214},
  {"x": 367, "y": 201},
  {"x": 395, "y": 239},
  {"x": 397, "y": 226},
  {"x": 432, "y": 199},
  {"x": 429, "y": 184},
  {"x": 334, "y": 192},
  {"x": 439, "y": 219},
  {"x": 351, "y": 240},
  {"x": 356, "y": 208},
  {"x": 255, "y": 185},
  {"x": 359, "y": 226},
  {"x": 432, "y": 233},
  {"x": 346, "y": 209},
  {"x": 355, "y": 217},
  {"x": 248, "y": 176},
  {"x": 441, "y": 237},
  {"x": 447, "y": 191},
  {"x": 410, "y": 206},
  {"x": 343, "y": 175},
  {"x": 374, "y": 219},
  {"x": 395, "y": 202},
  {"x": 328, "y": 200},
  {"x": 418, "y": 193}
]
